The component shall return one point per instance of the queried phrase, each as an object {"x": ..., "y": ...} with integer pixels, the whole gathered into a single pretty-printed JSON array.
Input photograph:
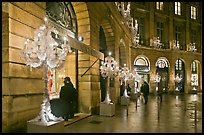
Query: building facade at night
[{"x": 95, "y": 29}]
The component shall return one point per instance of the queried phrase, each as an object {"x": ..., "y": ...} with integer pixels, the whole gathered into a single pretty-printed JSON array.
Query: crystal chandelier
[
  {"x": 135, "y": 34},
  {"x": 157, "y": 78},
  {"x": 156, "y": 43},
  {"x": 194, "y": 79},
  {"x": 49, "y": 49},
  {"x": 177, "y": 79},
  {"x": 125, "y": 13},
  {"x": 109, "y": 69},
  {"x": 192, "y": 47},
  {"x": 124, "y": 75},
  {"x": 176, "y": 45},
  {"x": 134, "y": 76}
]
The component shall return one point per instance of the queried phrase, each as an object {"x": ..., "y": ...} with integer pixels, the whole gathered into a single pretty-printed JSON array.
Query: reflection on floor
[{"x": 77, "y": 117}]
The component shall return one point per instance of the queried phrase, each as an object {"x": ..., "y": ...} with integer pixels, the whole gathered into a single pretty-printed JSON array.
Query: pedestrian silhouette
[
  {"x": 67, "y": 97},
  {"x": 145, "y": 91}
]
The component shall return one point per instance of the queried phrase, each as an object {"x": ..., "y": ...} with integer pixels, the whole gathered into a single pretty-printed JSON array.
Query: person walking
[
  {"x": 67, "y": 95},
  {"x": 145, "y": 91},
  {"x": 128, "y": 89},
  {"x": 160, "y": 91}
]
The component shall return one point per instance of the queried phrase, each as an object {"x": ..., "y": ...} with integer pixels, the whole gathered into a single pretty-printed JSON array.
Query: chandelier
[
  {"x": 157, "y": 78},
  {"x": 124, "y": 75},
  {"x": 176, "y": 45},
  {"x": 177, "y": 79},
  {"x": 156, "y": 43},
  {"x": 48, "y": 49},
  {"x": 192, "y": 47},
  {"x": 124, "y": 12},
  {"x": 109, "y": 69},
  {"x": 135, "y": 34}
]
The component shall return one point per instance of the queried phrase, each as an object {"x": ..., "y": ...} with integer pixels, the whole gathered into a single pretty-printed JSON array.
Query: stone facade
[{"x": 22, "y": 89}]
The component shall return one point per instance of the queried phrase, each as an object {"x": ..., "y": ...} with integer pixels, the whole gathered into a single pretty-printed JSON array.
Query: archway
[
  {"x": 142, "y": 67},
  {"x": 62, "y": 14},
  {"x": 162, "y": 66},
  {"x": 179, "y": 75},
  {"x": 122, "y": 53}
]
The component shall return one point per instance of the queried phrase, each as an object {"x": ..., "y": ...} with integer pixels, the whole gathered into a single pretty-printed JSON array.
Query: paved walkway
[{"x": 176, "y": 115}]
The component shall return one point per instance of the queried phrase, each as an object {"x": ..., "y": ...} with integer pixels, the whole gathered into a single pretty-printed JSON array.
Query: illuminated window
[
  {"x": 161, "y": 64},
  {"x": 194, "y": 75},
  {"x": 159, "y": 5},
  {"x": 178, "y": 8},
  {"x": 178, "y": 65},
  {"x": 193, "y": 12}
]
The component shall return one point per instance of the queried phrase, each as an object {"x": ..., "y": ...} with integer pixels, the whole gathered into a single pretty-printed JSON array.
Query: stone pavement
[{"x": 176, "y": 115}]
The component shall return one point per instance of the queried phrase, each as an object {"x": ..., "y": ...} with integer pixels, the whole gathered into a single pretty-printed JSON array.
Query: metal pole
[
  {"x": 195, "y": 118},
  {"x": 136, "y": 100},
  {"x": 158, "y": 105}
]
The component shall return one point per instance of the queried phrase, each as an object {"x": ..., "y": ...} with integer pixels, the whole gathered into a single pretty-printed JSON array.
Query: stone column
[
  {"x": 151, "y": 21},
  {"x": 171, "y": 25}
]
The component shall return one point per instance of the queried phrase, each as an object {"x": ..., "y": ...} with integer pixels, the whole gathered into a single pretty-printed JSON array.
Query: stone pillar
[
  {"x": 171, "y": 76},
  {"x": 151, "y": 21},
  {"x": 187, "y": 86},
  {"x": 171, "y": 25},
  {"x": 187, "y": 25}
]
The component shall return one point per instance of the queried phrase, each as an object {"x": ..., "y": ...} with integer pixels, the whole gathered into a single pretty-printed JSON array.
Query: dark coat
[
  {"x": 145, "y": 89},
  {"x": 67, "y": 97}
]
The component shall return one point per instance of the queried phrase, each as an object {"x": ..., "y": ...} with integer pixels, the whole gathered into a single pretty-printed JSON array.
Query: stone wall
[{"x": 21, "y": 96}]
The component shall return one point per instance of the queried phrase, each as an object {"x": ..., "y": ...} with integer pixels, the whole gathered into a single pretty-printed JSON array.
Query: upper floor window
[
  {"x": 178, "y": 8},
  {"x": 178, "y": 65},
  {"x": 193, "y": 36},
  {"x": 160, "y": 31},
  {"x": 193, "y": 12},
  {"x": 159, "y": 5},
  {"x": 141, "y": 22},
  {"x": 178, "y": 33}
]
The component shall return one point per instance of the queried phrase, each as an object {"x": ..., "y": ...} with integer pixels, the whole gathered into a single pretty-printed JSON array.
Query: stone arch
[
  {"x": 147, "y": 62},
  {"x": 122, "y": 53},
  {"x": 83, "y": 20},
  {"x": 142, "y": 66},
  {"x": 162, "y": 69},
  {"x": 165, "y": 60},
  {"x": 110, "y": 37}
]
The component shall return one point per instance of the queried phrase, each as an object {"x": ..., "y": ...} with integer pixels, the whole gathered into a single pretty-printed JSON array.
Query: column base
[
  {"x": 124, "y": 100},
  {"x": 107, "y": 109}
]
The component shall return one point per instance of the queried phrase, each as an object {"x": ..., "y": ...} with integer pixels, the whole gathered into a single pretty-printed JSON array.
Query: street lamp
[{"x": 49, "y": 49}]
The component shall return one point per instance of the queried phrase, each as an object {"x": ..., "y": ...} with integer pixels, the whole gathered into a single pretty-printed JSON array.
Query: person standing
[
  {"x": 145, "y": 91},
  {"x": 122, "y": 88},
  {"x": 128, "y": 89},
  {"x": 67, "y": 95}
]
